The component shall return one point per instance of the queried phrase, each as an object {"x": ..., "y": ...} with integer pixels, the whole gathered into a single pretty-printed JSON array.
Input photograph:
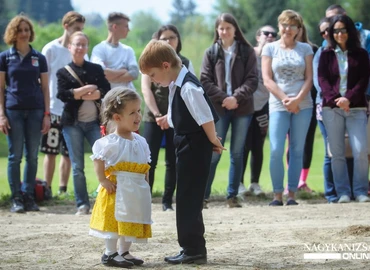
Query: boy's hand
[
  {"x": 108, "y": 185},
  {"x": 162, "y": 122}
]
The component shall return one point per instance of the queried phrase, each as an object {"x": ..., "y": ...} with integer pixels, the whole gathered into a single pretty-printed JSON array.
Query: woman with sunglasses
[
  {"x": 259, "y": 124},
  {"x": 287, "y": 74},
  {"x": 343, "y": 75}
]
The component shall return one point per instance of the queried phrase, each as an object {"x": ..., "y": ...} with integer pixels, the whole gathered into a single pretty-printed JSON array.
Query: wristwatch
[{"x": 158, "y": 115}]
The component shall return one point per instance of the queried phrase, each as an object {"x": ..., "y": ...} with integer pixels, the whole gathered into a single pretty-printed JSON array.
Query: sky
[{"x": 161, "y": 8}]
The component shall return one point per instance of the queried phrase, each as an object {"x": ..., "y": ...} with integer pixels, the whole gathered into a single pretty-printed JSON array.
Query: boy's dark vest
[{"x": 182, "y": 120}]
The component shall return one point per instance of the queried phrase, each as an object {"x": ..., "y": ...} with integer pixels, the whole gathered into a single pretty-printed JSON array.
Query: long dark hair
[
  {"x": 227, "y": 17},
  {"x": 172, "y": 28},
  {"x": 353, "y": 40}
]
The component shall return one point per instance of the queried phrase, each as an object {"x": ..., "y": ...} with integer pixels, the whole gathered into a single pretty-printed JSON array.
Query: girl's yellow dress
[{"x": 128, "y": 211}]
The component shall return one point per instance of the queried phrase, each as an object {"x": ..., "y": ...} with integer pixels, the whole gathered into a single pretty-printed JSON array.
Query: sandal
[
  {"x": 291, "y": 202},
  {"x": 276, "y": 203},
  {"x": 135, "y": 261}
]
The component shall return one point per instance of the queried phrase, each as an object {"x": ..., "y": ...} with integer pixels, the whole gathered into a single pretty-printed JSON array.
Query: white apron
[{"x": 133, "y": 198}]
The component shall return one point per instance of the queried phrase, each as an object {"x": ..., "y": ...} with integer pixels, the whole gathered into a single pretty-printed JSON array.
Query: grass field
[{"x": 315, "y": 178}]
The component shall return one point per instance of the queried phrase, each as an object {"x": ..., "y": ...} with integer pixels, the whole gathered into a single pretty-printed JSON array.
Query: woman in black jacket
[{"x": 81, "y": 85}]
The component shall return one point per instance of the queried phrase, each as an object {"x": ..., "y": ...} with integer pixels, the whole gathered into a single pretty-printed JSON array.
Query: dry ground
[{"x": 253, "y": 237}]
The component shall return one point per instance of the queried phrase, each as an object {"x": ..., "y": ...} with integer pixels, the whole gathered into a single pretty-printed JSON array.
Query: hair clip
[{"x": 118, "y": 100}]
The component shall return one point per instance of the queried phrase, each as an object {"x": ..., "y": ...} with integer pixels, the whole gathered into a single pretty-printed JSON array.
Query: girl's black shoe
[
  {"x": 110, "y": 261},
  {"x": 135, "y": 261}
]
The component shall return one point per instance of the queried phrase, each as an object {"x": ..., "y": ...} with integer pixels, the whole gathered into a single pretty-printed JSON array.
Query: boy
[
  {"x": 57, "y": 56},
  {"x": 193, "y": 118},
  {"x": 117, "y": 59}
]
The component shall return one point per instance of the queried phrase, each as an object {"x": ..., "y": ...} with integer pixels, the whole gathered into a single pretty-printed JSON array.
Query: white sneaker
[
  {"x": 83, "y": 210},
  {"x": 242, "y": 190},
  {"x": 362, "y": 198},
  {"x": 256, "y": 189},
  {"x": 344, "y": 199}
]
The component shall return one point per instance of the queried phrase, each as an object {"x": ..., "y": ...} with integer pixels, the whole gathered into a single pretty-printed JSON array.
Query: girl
[
  {"x": 123, "y": 207},
  {"x": 229, "y": 76}
]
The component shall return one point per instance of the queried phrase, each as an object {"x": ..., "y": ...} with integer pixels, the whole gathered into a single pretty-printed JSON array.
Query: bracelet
[
  {"x": 47, "y": 113},
  {"x": 158, "y": 115}
]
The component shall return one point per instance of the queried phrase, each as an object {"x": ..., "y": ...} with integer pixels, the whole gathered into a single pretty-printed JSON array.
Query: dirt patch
[
  {"x": 357, "y": 230},
  {"x": 255, "y": 236}
]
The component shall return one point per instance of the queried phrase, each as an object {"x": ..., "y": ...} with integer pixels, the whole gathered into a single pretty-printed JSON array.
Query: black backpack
[{"x": 215, "y": 52}]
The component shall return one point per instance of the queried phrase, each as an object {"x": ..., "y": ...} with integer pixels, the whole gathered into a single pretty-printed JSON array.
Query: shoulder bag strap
[{"x": 71, "y": 71}]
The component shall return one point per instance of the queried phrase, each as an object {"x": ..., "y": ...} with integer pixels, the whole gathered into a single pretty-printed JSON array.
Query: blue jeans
[
  {"x": 329, "y": 192},
  {"x": 337, "y": 122},
  {"x": 74, "y": 137},
  {"x": 297, "y": 124},
  {"x": 239, "y": 130},
  {"x": 25, "y": 133}
]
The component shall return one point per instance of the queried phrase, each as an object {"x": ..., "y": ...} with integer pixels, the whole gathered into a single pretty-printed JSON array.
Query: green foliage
[
  {"x": 196, "y": 39},
  {"x": 144, "y": 24},
  {"x": 182, "y": 11},
  {"x": 45, "y": 34},
  {"x": 45, "y": 11},
  {"x": 252, "y": 14}
]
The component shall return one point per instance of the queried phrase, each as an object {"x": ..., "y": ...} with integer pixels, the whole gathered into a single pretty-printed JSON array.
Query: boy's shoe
[
  {"x": 255, "y": 189},
  {"x": 17, "y": 205},
  {"x": 110, "y": 261},
  {"x": 362, "y": 198},
  {"x": 233, "y": 202},
  {"x": 344, "y": 199},
  {"x": 83, "y": 210},
  {"x": 30, "y": 204},
  {"x": 242, "y": 190}
]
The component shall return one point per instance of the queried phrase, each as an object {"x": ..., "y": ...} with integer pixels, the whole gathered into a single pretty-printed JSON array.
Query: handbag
[{"x": 73, "y": 73}]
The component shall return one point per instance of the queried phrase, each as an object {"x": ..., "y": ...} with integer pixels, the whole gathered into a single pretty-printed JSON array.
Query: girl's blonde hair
[{"x": 115, "y": 101}]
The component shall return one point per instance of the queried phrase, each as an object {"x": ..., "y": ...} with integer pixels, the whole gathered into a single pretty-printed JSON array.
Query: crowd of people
[{"x": 50, "y": 101}]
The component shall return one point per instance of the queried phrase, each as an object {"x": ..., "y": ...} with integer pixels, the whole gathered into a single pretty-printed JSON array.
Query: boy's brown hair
[
  {"x": 72, "y": 17},
  {"x": 155, "y": 53}
]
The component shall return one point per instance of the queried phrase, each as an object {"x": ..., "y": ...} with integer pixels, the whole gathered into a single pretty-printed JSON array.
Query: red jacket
[{"x": 357, "y": 77}]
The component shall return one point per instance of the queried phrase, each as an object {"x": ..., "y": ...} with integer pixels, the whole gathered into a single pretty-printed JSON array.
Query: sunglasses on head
[
  {"x": 267, "y": 33},
  {"x": 323, "y": 32}
]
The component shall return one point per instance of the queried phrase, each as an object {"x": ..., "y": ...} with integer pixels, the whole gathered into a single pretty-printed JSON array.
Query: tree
[
  {"x": 45, "y": 11},
  {"x": 181, "y": 12},
  {"x": 144, "y": 24}
]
